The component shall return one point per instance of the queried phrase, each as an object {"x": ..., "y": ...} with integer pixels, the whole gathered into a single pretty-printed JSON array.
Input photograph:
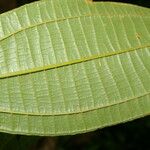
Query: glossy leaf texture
[{"x": 72, "y": 66}]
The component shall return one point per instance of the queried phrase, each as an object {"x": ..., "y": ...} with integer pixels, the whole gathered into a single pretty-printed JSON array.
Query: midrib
[{"x": 71, "y": 62}]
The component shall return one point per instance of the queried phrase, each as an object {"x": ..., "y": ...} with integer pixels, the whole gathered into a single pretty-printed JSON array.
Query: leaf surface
[{"x": 72, "y": 66}]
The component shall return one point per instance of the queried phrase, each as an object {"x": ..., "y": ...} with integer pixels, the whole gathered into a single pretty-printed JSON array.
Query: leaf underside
[{"x": 72, "y": 66}]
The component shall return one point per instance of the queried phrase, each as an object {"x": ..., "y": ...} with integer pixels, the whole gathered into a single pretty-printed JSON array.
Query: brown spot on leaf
[{"x": 138, "y": 36}]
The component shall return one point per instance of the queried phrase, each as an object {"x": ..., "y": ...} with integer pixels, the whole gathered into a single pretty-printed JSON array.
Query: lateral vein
[{"x": 71, "y": 113}]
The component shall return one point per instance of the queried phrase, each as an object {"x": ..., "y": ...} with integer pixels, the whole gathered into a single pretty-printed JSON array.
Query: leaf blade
[{"x": 73, "y": 96}]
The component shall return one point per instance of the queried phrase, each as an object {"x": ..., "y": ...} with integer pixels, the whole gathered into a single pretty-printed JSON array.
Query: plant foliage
[{"x": 72, "y": 66}]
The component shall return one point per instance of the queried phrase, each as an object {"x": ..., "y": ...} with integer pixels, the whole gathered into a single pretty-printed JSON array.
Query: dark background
[{"x": 133, "y": 135}]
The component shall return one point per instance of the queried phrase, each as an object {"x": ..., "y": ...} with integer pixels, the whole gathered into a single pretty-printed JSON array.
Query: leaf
[{"x": 72, "y": 66}]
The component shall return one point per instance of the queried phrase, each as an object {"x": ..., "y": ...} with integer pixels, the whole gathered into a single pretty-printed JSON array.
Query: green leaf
[{"x": 72, "y": 66}]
